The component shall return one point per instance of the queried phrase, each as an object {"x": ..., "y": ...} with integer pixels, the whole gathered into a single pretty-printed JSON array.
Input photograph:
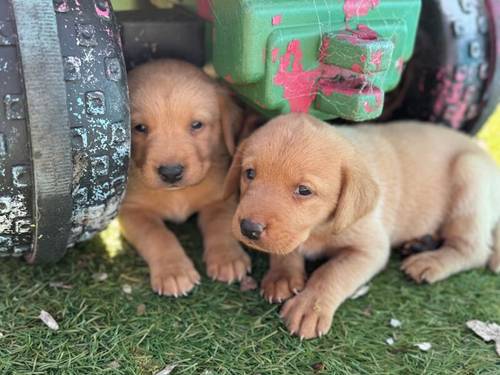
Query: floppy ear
[
  {"x": 232, "y": 181},
  {"x": 231, "y": 119},
  {"x": 358, "y": 196}
]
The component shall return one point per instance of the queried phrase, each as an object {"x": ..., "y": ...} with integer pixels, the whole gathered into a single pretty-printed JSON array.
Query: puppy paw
[
  {"x": 174, "y": 279},
  {"x": 307, "y": 315},
  {"x": 424, "y": 267},
  {"x": 227, "y": 264},
  {"x": 279, "y": 285}
]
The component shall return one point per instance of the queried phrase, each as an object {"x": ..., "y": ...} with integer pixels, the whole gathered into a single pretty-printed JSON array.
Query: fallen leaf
[
  {"x": 167, "y": 370},
  {"x": 367, "y": 311},
  {"x": 487, "y": 331},
  {"x": 395, "y": 323},
  {"x": 424, "y": 346},
  {"x": 248, "y": 283},
  {"x": 48, "y": 320},
  {"x": 60, "y": 285},
  {"x": 319, "y": 366},
  {"x": 361, "y": 291},
  {"x": 100, "y": 276},
  {"x": 126, "y": 288},
  {"x": 141, "y": 309},
  {"x": 389, "y": 341}
]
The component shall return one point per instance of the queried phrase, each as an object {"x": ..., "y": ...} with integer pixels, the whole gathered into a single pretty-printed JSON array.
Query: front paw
[
  {"x": 279, "y": 285},
  {"x": 174, "y": 279},
  {"x": 227, "y": 264},
  {"x": 307, "y": 315}
]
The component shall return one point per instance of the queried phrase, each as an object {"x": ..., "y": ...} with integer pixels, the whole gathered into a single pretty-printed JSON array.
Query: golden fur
[
  {"x": 167, "y": 97},
  {"x": 373, "y": 187}
]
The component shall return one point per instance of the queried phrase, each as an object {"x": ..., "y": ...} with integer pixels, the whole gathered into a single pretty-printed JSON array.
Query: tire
[
  {"x": 454, "y": 76},
  {"x": 64, "y": 125}
]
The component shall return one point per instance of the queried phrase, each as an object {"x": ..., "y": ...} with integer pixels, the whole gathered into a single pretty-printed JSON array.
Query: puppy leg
[
  {"x": 285, "y": 277},
  {"x": 171, "y": 272},
  {"x": 225, "y": 259},
  {"x": 310, "y": 313},
  {"x": 468, "y": 229}
]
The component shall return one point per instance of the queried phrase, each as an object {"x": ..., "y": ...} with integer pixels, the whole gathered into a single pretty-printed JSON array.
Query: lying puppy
[
  {"x": 184, "y": 127},
  {"x": 309, "y": 189}
]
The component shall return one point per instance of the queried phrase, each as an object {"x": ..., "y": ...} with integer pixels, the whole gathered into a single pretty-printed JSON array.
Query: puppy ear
[
  {"x": 232, "y": 181},
  {"x": 231, "y": 119},
  {"x": 358, "y": 196}
]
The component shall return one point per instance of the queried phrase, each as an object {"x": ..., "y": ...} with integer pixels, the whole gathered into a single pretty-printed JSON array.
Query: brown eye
[
  {"x": 196, "y": 125},
  {"x": 303, "y": 191},
  {"x": 141, "y": 128},
  {"x": 250, "y": 173}
]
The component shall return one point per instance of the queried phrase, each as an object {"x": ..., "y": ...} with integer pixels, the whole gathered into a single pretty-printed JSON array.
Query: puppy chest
[{"x": 177, "y": 211}]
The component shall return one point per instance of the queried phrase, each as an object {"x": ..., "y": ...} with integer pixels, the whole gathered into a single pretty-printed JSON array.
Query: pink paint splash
[
  {"x": 205, "y": 10},
  {"x": 358, "y": 8},
  {"x": 229, "y": 78},
  {"x": 323, "y": 51},
  {"x": 362, "y": 58},
  {"x": 356, "y": 68},
  {"x": 275, "y": 54},
  {"x": 104, "y": 13},
  {"x": 376, "y": 58},
  {"x": 276, "y": 20},
  {"x": 400, "y": 65},
  {"x": 301, "y": 87}
]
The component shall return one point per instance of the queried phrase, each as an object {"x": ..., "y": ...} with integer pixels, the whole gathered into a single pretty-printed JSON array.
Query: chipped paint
[
  {"x": 399, "y": 65},
  {"x": 376, "y": 58},
  {"x": 300, "y": 86},
  {"x": 358, "y": 8},
  {"x": 451, "y": 97},
  {"x": 274, "y": 54},
  {"x": 102, "y": 9}
]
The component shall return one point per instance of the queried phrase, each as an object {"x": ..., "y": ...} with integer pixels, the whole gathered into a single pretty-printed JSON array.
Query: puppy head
[
  {"x": 296, "y": 174},
  {"x": 181, "y": 120}
]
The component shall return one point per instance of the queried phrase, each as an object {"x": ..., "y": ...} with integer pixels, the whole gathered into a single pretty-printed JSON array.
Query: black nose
[
  {"x": 250, "y": 229},
  {"x": 171, "y": 173}
]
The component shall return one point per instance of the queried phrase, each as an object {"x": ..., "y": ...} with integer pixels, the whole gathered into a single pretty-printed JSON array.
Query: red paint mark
[
  {"x": 358, "y": 8},
  {"x": 229, "y": 78},
  {"x": 105, "y": 13},
  {"x": 362, "y": 58},
  {"x": 205, "y": 10},
  {"x": 276, "y": 20},
  {"x": 376, "y": 58},
  {"x": 361, "y": 35},
  {"x": 356, "y": 68},
  {"x": 400, "y": 65},
  {"x": 275, "y": 54},
  {"x": 323, "y": 51},
  {"x": 301, "y": 87}
]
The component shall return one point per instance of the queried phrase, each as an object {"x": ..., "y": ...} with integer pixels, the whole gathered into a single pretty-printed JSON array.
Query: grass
[{"x": 220, "y": 330}]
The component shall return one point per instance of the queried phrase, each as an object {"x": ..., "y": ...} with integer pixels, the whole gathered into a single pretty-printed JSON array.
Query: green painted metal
[{"x": 332, "y": 58}]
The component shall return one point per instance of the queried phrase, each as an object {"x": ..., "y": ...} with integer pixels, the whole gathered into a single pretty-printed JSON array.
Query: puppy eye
[
  {"x": 303, "y": 191},
  {"x": 140, "y": 128},
  {"x": 196, "y": 125},
  {"x": 250, "y": 173}
]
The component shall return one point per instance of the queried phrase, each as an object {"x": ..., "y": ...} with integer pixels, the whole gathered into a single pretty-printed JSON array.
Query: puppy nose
[
  {"x": 250, "y": 229},
  {"x": 171, "y": 173}
]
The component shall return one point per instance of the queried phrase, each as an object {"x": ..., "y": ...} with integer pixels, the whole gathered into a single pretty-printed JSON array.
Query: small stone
[
  {"x": 126, "y": 288},
  {"x": 167, "y": 370},
  {"x": 48, "y": 320},
  {"x": 424, "y": 346},
  {"x": 389, "y": 341},
  {"x": 395, "y": 323}
]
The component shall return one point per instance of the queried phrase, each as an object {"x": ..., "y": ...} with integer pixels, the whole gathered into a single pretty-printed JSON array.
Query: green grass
[{"x": 220, "y": 330}]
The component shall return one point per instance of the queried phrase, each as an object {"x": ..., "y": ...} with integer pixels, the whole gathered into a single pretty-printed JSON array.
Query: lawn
[{"x": 220, "y": 330}]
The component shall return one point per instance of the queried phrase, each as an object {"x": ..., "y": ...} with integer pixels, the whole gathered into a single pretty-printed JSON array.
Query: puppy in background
[
  {"x": 309, "y": 189},
  {"x": 184, "y": 127}
]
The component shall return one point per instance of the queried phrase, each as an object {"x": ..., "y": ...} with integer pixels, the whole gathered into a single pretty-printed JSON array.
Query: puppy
[
  {"x": 309, "y": 189},
  {"x": 184, "y": 127}
]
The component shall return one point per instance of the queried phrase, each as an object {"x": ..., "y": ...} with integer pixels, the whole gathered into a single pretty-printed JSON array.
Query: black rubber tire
[
  {"x": 453, "y": 75},
  {"x": 88, "y": 73}
]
